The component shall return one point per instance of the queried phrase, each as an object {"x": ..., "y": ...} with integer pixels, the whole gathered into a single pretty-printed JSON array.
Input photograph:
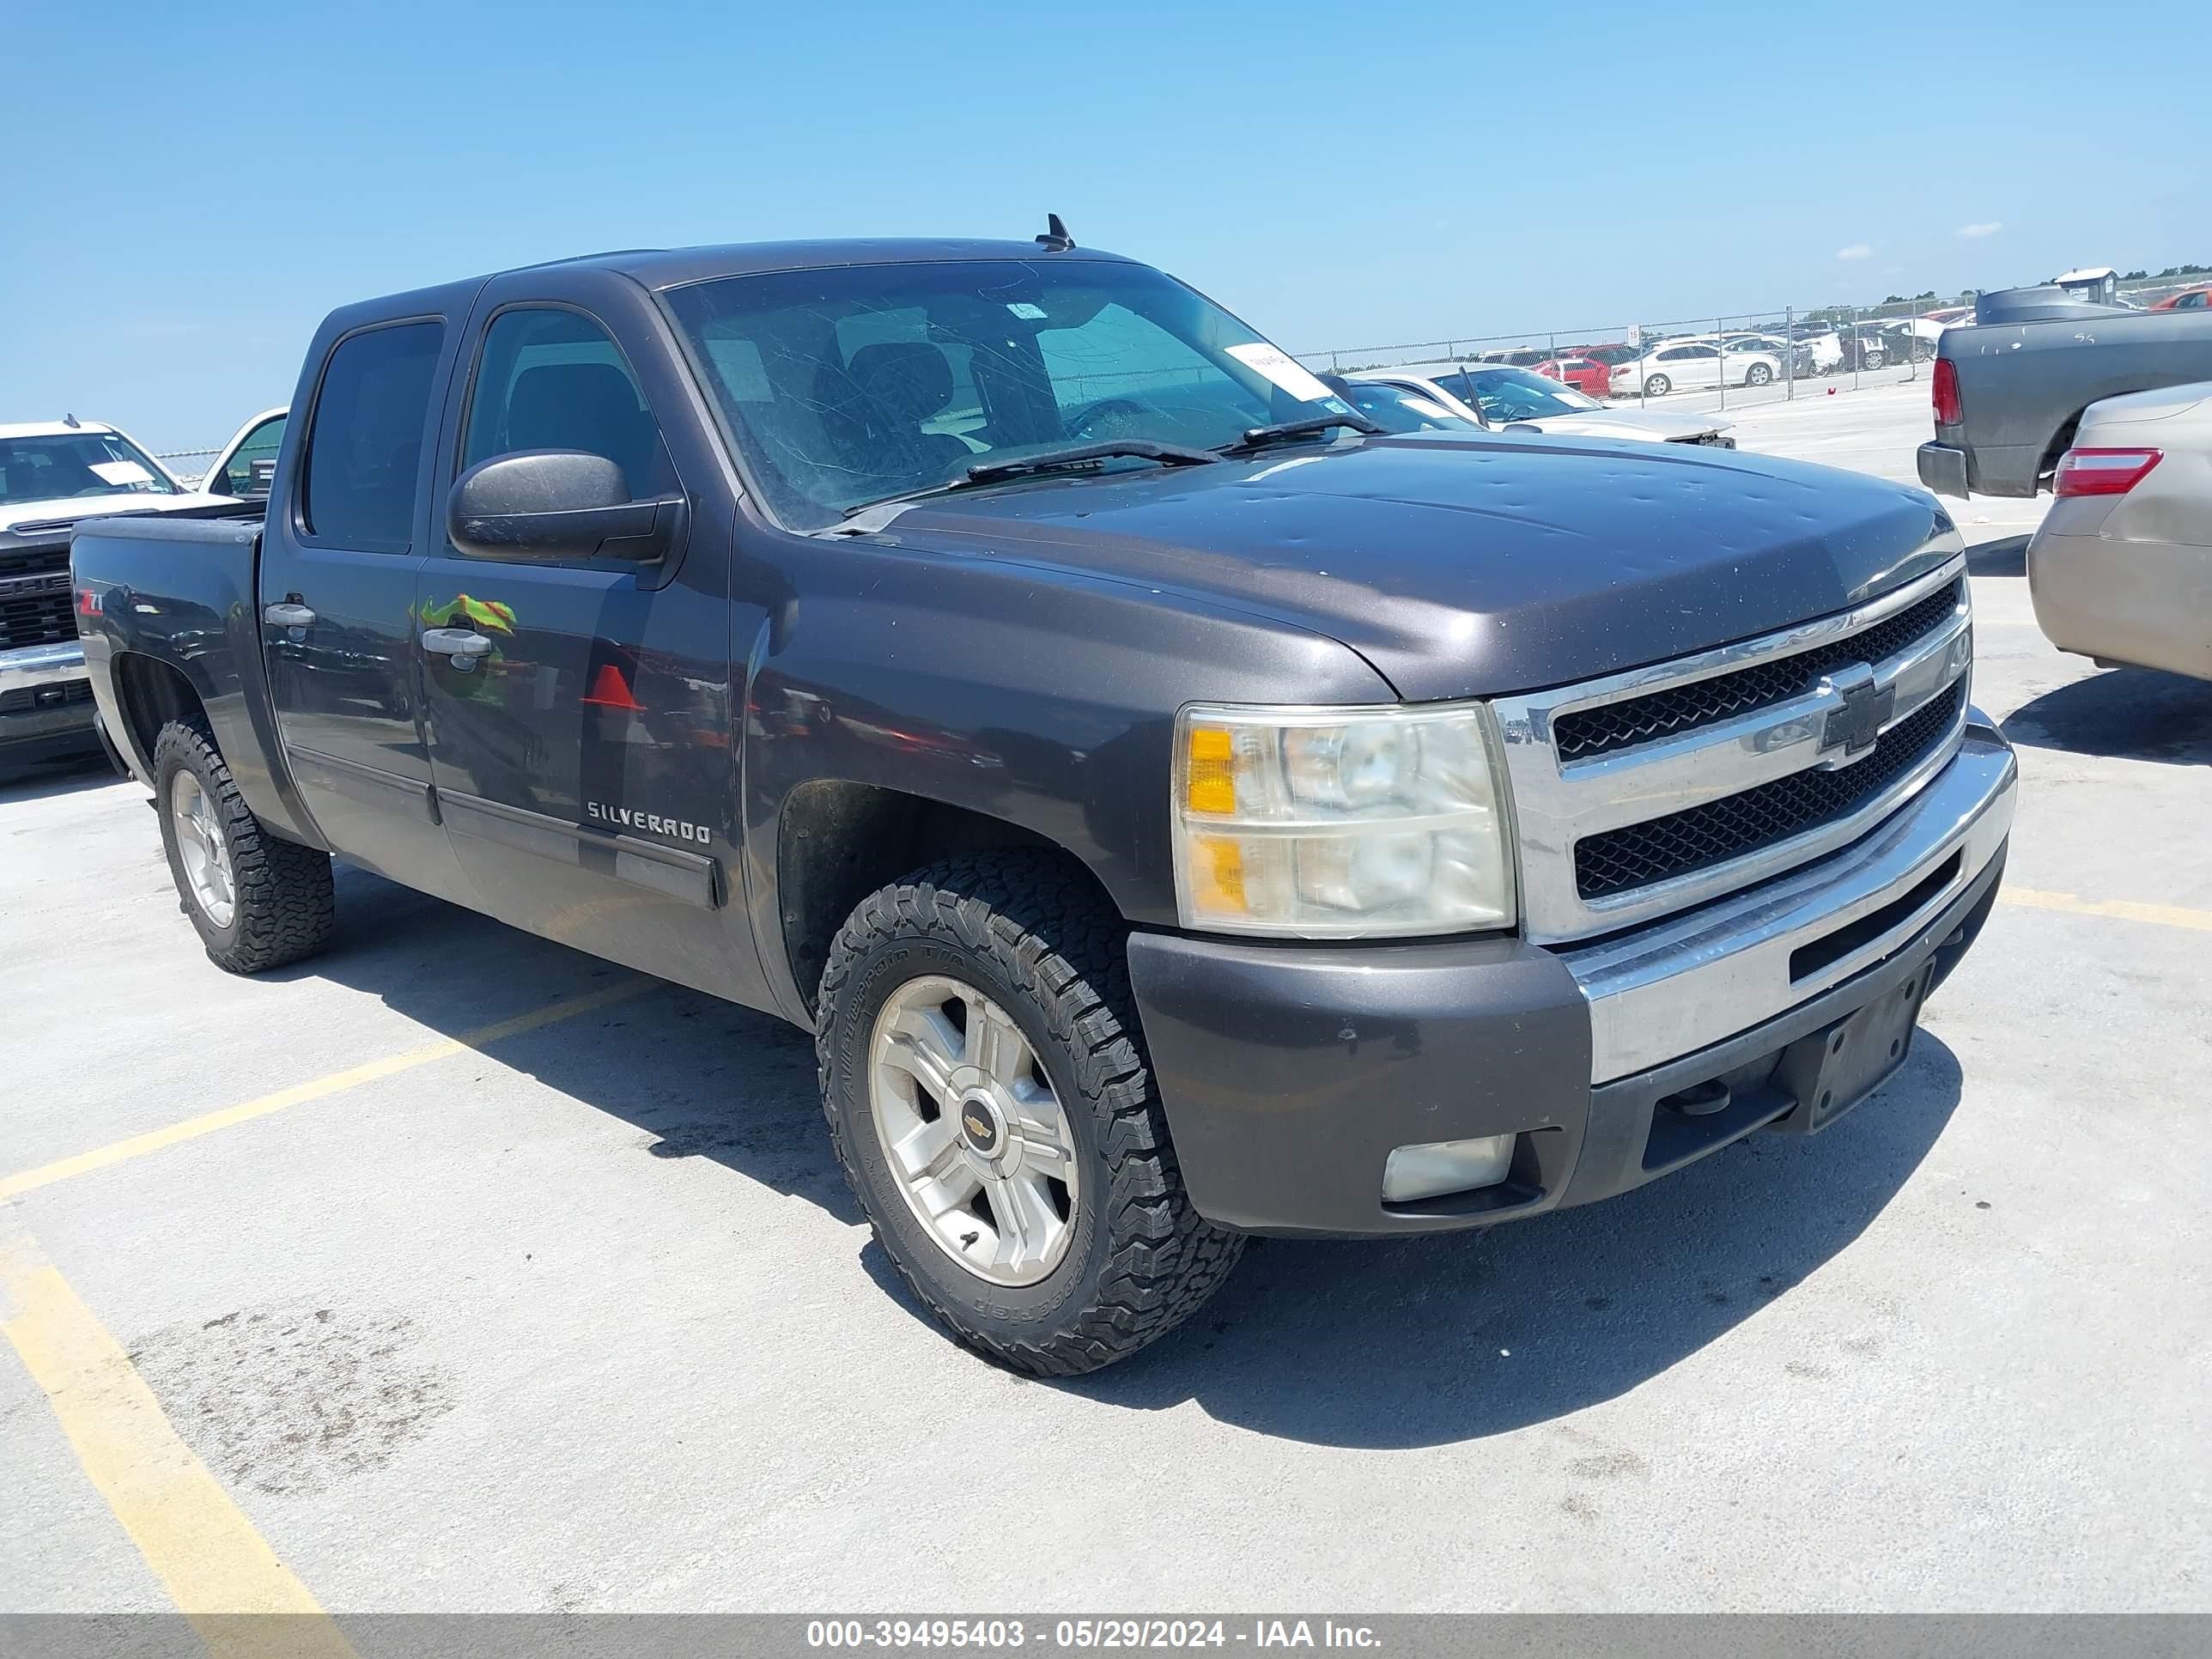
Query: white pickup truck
[{"x": 53, "y": 474}]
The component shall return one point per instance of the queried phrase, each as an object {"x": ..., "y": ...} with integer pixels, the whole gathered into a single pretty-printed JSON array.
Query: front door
[
  {"x": 338, "y": 580},
  {"x": 578, "y": 712}
]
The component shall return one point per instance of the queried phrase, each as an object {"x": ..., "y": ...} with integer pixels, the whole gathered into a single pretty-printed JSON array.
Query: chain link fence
[
  {"x": 1727, "y": 360},
  {"x": 1735, "y": 359}
]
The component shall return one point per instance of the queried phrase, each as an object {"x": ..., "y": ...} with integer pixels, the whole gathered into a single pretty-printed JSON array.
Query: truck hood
[
  {"x": 1651, "y": 426},
  {"x": 44, "y": 520},
  {"x": 1476, "y": 565}
]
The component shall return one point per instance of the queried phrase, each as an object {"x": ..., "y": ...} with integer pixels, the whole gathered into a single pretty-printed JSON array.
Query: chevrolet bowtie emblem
[{"x": 1849, "y": 732}]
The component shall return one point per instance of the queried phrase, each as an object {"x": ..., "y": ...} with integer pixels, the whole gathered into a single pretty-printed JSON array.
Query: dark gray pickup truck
[
  {"x": 1179, "y": 811},
  {"x": 2009, "y": 391}
]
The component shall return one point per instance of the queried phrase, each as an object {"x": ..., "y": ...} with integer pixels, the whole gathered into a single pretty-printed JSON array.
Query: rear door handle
[
  {"x": 461, "y": 644},
  {"x": 288, "y": 614}
]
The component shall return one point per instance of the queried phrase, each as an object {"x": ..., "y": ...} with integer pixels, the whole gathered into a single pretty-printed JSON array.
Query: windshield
[
  {"x": 1515, "y": 394},
  {"x": 66, "y": 466},
  {"x": 847, "y": 386}
]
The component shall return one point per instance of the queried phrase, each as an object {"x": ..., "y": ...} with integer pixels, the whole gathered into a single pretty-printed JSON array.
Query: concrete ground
[{"x": 579, "y": 1316}]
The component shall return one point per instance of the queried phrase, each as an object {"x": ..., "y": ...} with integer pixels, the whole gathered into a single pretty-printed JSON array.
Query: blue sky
[{"x": 192, "y": 187}]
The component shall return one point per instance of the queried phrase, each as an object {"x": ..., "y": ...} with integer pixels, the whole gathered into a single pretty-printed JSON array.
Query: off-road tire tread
[
  {"x": 1050, "y": 933},
  {"x": 287, "y": 902}
]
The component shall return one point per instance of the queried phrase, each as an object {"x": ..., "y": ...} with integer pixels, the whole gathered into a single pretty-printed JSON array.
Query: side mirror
[{"x": 558, "y": 504}]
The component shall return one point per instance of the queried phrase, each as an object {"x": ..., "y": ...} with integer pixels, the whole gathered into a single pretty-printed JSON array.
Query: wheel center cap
[{"x": 981, "y": 1126}]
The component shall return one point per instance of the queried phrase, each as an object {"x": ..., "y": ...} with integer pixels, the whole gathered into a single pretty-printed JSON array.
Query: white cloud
[
  {"x": 1855, "y": 251},
  {"x": 1974, "y": 233}
]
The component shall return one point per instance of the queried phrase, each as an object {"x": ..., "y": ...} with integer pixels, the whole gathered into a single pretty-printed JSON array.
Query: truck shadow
[
  {"x": 2127, "y": 713},
  {"x": 2007, "y": 555},
  {"x": 699, "y": 1076},
  {"x": 66, "y": 775},
  {"x": 1403, "y": 1343},
  {"x": 1426, "y": 1342}
]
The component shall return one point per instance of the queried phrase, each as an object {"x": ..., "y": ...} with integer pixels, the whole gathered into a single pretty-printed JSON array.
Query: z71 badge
[{"x": 622, "y": 818}]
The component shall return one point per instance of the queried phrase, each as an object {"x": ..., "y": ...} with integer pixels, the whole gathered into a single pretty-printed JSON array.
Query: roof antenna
[
  {"x": 69, "y": 421},
  {"x": 1055, "y": 239}
]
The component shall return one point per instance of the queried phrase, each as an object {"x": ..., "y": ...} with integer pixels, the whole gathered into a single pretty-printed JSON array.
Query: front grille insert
[
  {"x": 1640, "y": 854},
  {"x": 1599, "y": 731},
  {"x": 35, "y": 599}
]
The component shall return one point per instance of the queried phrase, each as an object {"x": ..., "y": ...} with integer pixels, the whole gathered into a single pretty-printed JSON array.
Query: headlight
[{"x": 1340, "y": 822}]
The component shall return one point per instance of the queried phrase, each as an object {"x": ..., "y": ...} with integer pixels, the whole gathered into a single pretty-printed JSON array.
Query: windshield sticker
[
  {"x": 1285, "y": 371},
  {"x": 121, "y": 473},
  {"x": 1026, "y": 312}
]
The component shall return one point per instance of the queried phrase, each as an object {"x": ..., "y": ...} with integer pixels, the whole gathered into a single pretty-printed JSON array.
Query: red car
[
  {"x": 2189, "y": 299},
  {"x": 1586, "y": 375}
]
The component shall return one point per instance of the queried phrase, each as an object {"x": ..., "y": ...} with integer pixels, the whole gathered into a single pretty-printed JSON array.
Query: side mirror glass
[{"x": 558, "y": 504}]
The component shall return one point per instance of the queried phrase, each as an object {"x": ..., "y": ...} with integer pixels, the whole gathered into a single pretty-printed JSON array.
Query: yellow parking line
[
  {"x": 196, "y": 1539},
  {"x": 154, "y": 1140},
  {"x": 2162, "y": 915}
]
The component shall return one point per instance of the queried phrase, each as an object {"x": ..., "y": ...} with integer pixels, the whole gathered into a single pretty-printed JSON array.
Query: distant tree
[
  {"x": 1927, "y": 294},
  {"x": 1893, "y": 299},
  {"x": 2136, "y": 277}
]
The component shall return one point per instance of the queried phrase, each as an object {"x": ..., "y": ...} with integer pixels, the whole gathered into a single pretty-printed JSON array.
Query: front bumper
[
  {"x": 1289, "y": 1073},
  {"x": 46, "y": 698}
]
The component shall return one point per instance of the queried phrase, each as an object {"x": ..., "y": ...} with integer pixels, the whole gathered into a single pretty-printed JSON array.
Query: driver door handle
[
  {"x": 288, "y": 614},
  {"x": 459, "y": 643}
]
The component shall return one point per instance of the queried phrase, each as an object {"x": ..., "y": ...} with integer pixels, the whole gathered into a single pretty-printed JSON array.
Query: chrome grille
[
  {"x": 1648, "y": 792},
  {"x": 1661, "y": 849},
  {"x": 1683, "y": 709}
]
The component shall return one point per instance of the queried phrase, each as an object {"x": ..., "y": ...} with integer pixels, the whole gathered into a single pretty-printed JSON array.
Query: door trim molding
[
  {"x": 693, "y": 878},
  {"x": 357, "y": 781}
]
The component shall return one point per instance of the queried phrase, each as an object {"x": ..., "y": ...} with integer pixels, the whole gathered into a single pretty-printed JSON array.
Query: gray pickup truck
[
  {"x": 1178, "y": 810},
  {"x": 2009, "y": 391}
]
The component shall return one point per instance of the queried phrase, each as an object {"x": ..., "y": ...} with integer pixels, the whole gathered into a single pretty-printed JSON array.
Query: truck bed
[{"x": 178, "y": 594}]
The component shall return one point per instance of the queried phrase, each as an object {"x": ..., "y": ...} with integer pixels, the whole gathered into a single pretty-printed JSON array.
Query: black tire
[
  {"x": 1758, "y": 374},
  {"x": 1034, "y": 936},
  {"x": 1657, "y": 385},
  {"x": 285, "y": 908}
]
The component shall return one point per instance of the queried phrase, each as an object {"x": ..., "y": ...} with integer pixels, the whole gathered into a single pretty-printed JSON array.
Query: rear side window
[{"x": 365, "y": 445}]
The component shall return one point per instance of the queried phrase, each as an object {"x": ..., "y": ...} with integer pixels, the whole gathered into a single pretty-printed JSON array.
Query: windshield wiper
[
  {"x": 1075, "y": 458},
  {"x": 1087, "y": 455},
  {"x": 1260, "y": 437}
]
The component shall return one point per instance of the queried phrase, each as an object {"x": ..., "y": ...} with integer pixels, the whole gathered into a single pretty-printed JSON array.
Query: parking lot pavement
[{"x": 479, "y": 1274}]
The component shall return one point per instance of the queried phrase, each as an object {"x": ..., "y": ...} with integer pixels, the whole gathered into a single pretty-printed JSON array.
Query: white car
[
  {"x": 54, "y": 473},
  {"x": 244, "y": 466},
  {"x": 1496, "y": 396},
  {"x": 2121, "y": 568},
  {"x": 1693, "y": 364}
]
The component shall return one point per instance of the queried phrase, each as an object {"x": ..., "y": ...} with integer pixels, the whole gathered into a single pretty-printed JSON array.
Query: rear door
[
  {"x": 339, "y": 553},
  {"x": 581, "y": 736}
]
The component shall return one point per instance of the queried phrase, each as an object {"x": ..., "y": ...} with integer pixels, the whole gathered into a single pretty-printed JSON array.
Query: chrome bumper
[
  {"x": 1674, "y": 987},
  {"x": 42, "y": 664}
]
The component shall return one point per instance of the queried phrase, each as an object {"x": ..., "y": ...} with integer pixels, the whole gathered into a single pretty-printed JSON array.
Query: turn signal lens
[
  {"x": 2102, "y": 471},
  {"x": 1340, "y": 823}
]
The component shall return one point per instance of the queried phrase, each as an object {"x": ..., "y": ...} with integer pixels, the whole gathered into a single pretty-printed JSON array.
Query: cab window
[
  {"x": 357, "y": 487},
  {"x": 553, "y": 379}
]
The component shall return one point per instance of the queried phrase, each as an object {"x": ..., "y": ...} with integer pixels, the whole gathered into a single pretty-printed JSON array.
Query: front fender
[{"x": 1044, "y": 699}]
